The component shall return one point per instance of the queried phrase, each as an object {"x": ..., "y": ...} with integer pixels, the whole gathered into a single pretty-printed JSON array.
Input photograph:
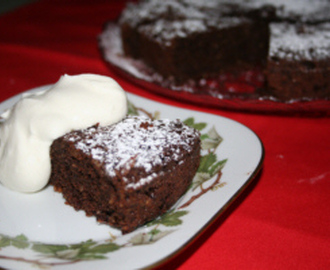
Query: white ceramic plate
[{"x": 39, "y": 229}]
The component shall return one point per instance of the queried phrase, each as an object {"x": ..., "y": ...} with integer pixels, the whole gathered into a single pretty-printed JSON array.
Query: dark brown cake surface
[
  {"x": 195, "y": 40},
  {"x": 299, "y": 60},
  {"x": 184, "y": 40},
  {"x": 303, "y": 11},
  {"x": 128, "y": 173}
]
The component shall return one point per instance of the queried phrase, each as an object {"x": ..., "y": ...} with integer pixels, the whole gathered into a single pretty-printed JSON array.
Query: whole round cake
[{"x": 288, "y": 41}]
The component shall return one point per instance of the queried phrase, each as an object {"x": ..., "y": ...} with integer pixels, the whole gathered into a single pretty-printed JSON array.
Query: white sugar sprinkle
[
  {"x": 311, "y": 42},
  {"x": 155, "y": 19},
  {"x": 135, "y": 142}
]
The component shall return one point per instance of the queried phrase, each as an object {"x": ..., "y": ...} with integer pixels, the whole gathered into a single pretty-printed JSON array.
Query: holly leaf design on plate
[
  {"x": 20, "y": 241},
  {"x": 211, "y": 140},
  {"x": 191, "y": 123},
  {"x": 49, "y": 248},
  {"x": 88, "y": 250},
  {"x": 169, "y": 219},
  {"x": 66, "y": 254},
  {"x": 148, "y": 238},
  {"x": 4, "y": 241},
  {"x": 131, "y": 109},
  {"x": 210, "y": 167}
]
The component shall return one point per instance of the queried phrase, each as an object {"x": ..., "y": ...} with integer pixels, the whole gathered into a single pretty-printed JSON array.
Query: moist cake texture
[
  {"x": 190, "y": 39},
  {"x": 128, "y": 173},
  {"x": 185, "y": 41},
  {"x": 298, "y": 62}
]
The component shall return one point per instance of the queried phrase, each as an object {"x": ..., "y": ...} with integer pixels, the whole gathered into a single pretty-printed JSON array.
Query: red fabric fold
[{"x": 281, "y": 221}]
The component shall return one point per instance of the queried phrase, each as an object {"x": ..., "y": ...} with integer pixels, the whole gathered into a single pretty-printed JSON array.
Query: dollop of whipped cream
[{"x": 31, "y": 125}]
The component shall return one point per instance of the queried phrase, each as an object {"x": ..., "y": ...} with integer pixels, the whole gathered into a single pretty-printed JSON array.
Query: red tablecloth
[{"x": 282, "y": 221}]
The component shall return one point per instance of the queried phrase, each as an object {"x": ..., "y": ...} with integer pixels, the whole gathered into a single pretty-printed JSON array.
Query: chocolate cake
[
  {"x": 128, "y": 173},
  {"x": 190, "y": 39},
  {"x": 186, "y": 42},
  {"x": 299, "y": 61}
]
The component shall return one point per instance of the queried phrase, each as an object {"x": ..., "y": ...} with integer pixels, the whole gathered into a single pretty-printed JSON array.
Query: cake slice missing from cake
[
  {"x": 185, "y": 42},
  {"x": 128, "y": 173}
]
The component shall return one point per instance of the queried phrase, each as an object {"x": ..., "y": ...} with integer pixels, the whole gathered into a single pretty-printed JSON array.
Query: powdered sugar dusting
[
  {"x": 135, "y": 142},
  {"x": 300, "y": 43},
  {"x": 163, "y": 30},
  {"x": 148, "y": 11},
  {"x": 165, "y": 20},
  {"x": 303, "y": 10}
]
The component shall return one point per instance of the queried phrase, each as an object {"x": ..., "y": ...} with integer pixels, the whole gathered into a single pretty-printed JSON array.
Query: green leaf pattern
[
  {"x": 93, "y": 250},
  {"x": 132, "y": 110},
  {"x": 148, "y": 238},
  {"x": 211, "y": 140},
  {"x": 20, "y": 241},
  {"x": 169, "y": 219}
]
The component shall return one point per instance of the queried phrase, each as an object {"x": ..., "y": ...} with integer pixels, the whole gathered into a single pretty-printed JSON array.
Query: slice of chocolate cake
[
  {"x": 184, "y": 41},
  {"x": 298, "y": 62},
  {"x": 128, "y": 173}
]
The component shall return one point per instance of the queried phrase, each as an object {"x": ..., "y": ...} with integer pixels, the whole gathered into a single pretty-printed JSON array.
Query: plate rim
[
  {"x": 267, "y": 104},
  {"x": 189, "y": 241}
]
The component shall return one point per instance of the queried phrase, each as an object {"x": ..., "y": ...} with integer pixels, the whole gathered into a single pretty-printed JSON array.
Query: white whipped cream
[{"x": 29, "y": 128}]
